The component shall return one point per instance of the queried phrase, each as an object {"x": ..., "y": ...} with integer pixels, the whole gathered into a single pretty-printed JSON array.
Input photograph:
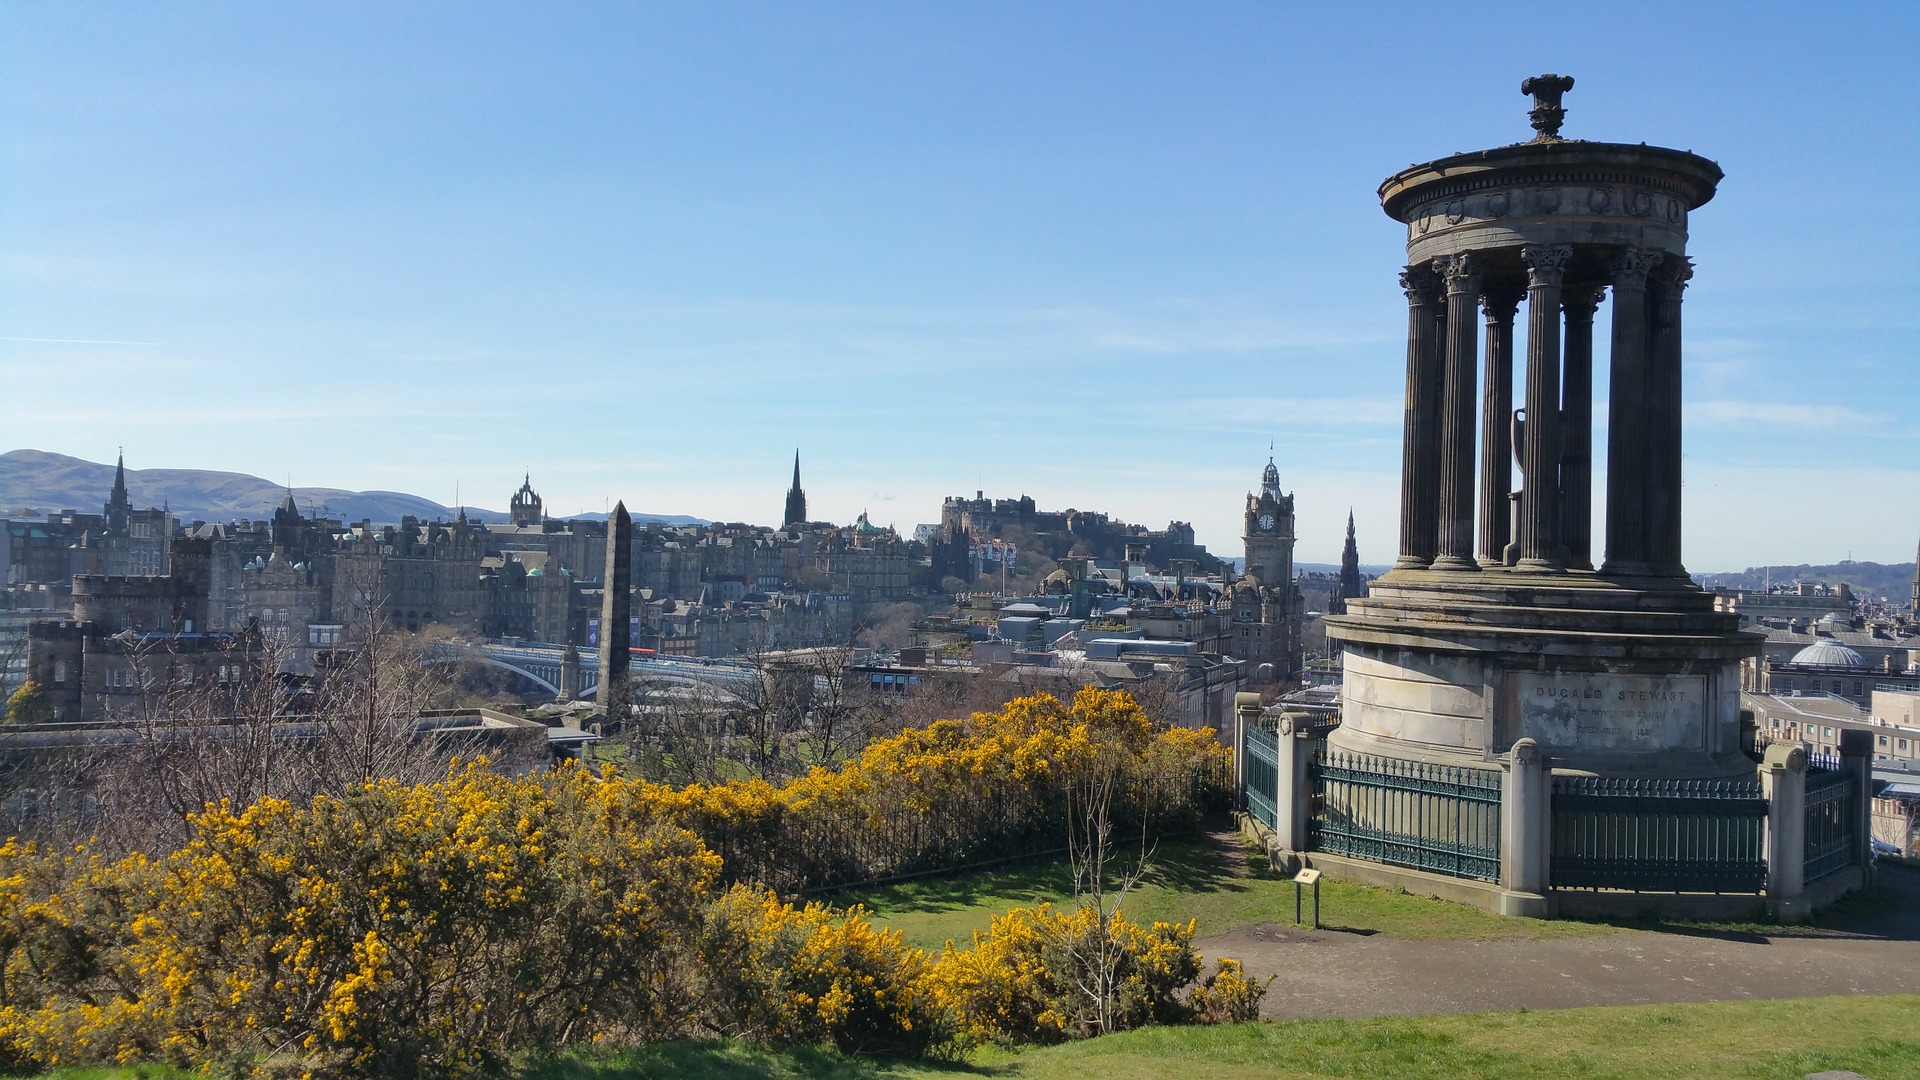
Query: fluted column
[
  {"x": 1420, "y": 450},
  {"x": 1627, "y": 401},
  {"x": 1576, "y": 416},
  {"x": 1539, "y": 541},
  {"x": 1461, "y": 275},
  {"x": 1663, "y": 415},
  {"x": 1496, "y": 431}
]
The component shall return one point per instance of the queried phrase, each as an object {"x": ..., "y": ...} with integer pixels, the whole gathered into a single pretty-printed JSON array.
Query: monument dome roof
[{"x": 1829, "y": 654}]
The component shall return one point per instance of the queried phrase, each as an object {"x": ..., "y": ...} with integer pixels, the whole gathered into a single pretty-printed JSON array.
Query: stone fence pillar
[
  {"x": 1246, "y": 713},
  {"x": 1526, "y": 817},
  {"x": 1783, "y": 781},
  {"x": 1856, "y": 758},
  {"x": 1293, "y": 808}
]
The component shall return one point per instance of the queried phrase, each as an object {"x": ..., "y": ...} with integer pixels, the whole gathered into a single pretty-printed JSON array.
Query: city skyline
[{"x": 1102, "y": 260}]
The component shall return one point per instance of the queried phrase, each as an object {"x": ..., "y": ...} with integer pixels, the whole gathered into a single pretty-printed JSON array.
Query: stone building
[{"x": 1264, "y": 606}]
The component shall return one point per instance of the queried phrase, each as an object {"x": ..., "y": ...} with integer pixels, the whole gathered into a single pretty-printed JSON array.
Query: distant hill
[
  {"x": 47, "y": 483},
  {"x": 1867, "y": 579}
]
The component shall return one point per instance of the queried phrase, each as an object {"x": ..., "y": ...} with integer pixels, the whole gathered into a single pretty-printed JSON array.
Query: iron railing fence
[
  {"x": 1440, "y": 818},
  {"x": 1260, "y": 785},
  {"x": 1832, "y": 814},
  {"x": 1644, "y": 835}
]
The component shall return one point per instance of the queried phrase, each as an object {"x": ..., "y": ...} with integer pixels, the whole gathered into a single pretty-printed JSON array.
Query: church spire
[
  {"x": 1351, "y": 586},
  {"x": 796, "y": 512},
  {"x": 119, "y": 507}
]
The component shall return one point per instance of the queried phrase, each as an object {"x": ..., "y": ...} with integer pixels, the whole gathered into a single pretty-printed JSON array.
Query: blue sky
[{"x": 1100, "y": 254}]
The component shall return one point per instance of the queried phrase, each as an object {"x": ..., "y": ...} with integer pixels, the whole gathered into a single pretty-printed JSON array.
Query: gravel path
[{"x": 1330, "y": 973}]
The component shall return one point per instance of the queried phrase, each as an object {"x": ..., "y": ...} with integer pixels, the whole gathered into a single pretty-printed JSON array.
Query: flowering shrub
[
  {"x": 943, "y": 795},
  {"x": 433, "y": 929},
  {"x": 771, "y": 971},
  {"x": 1228, "y": 996},
  {"x": 403, "y": 929},
  {"x": 1036, "y": 975}
]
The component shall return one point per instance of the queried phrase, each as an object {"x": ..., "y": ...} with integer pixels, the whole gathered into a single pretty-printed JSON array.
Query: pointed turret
[
  {"x": 1270, "y": 479},
  {"x": 1351, "y": 587},
  {"x": 119, "y": 507},
  {"x": 796, "y": 512},
  {"x": 1916, "y": 584}
]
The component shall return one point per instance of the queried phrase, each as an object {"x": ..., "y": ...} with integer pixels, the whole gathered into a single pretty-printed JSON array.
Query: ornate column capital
[
  {"x": 1671, "y": 278},
  {"x": 1546, "y": 263},
  {"x": 1631, "y": 267},
  {"x": 1581, "y": 300},
  {"x": 1421, "y": 285},
  {"x": 1460, "y": 272},
  {"x": 1501, "y": 305}
]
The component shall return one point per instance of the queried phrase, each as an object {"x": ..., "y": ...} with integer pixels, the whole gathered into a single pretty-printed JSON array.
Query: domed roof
[{"x": 1830, "y": 654}]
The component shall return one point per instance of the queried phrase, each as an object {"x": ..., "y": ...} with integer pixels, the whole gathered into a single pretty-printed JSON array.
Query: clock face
[{"x": 1266, "y": 521}]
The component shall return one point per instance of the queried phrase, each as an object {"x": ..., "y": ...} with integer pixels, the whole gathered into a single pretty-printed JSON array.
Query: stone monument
[
  {"x": 616, "y": 609},
  {"x": 1495, "y": 624}
]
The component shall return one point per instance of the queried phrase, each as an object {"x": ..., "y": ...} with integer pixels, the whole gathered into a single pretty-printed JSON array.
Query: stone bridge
[{"x": 540, "y": 665}]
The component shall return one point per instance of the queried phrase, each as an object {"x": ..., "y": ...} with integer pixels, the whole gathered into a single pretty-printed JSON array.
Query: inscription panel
[{"x": 1611, "y": 712}]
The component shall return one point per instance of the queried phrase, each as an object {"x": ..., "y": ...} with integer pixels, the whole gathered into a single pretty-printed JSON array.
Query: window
[{"x": 59, "y": 671}]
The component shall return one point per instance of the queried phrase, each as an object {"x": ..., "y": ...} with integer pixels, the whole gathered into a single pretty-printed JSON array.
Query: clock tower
[
  {"x": 1264, "y": 605},
  {"x": 1269, "y": 531}
]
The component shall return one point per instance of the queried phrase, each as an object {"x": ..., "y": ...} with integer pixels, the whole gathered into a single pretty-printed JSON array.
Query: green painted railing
[
  {"x": 1440, "y": 818},
  {"x": 1260, "y": 786},
  {"x": 1831, "y": 814},
  {"x": 1658, "y": 835}
]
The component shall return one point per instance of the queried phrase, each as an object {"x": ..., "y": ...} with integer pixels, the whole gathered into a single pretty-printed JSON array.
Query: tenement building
[{"x": 1524, "y": 659}]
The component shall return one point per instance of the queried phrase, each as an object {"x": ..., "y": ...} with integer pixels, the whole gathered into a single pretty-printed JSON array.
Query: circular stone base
[{"x": 1613, "y": 677}]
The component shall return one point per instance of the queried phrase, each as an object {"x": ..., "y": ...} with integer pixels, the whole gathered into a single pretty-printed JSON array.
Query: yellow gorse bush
[{"x": 434, "y": 929}]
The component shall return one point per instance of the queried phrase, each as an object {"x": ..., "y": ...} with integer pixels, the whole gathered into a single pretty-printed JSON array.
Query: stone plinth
[{"x": 1603, "y": 675}]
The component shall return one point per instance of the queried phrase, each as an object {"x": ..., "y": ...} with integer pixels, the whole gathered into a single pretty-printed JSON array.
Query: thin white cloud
[
  {"x": 1780, "y": 414},
  {"x": 1268, "y": 413},
  {"x": 77, "y": 341}
]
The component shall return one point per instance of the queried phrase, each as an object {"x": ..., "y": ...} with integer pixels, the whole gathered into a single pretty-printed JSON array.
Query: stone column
[
  {"x": 1663, "y": 416},
  {"x": 1539, "y": 525},
  {"x": 1627, "y": 394},
  {"x": 1576, "y": 416},
  {"x": 1420, "y": 448},
  {"x": 1783, "y": 783},
  {"x": 1461, "y": 273},
  {"x": 1496, "y": 445},
  {"x": 1525, "y": 831}
]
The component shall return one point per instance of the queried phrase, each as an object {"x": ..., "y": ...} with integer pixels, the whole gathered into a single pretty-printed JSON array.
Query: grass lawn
[
  {"x": 1877, "y": 1037},
  {"x": 1202, "y": 879}
]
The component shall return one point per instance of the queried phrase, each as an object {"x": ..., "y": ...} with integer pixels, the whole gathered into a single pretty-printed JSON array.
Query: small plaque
[{"x": 1306, "y": 877}]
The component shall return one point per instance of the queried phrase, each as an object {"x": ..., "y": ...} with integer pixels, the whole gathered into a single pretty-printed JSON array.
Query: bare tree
[{"x": 1101, "y": 880}]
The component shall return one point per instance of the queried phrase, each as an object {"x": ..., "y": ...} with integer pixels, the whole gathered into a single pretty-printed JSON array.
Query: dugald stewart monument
[
  {"x": 1503, "y": 619},
  {"x": 1520, "y": 665}
]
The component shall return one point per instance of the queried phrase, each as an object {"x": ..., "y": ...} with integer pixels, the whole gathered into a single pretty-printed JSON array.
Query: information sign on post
[{"x": 1307, "y": 877}]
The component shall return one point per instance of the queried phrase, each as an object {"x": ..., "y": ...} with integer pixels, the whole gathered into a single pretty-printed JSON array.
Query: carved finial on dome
[{"x": 1547, "y": 115}]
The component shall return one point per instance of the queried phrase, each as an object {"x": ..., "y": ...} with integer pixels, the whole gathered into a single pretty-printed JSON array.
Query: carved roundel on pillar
[
  {"x": 1599, "y": 199},
  {"x": 1499, "y": 203},
  {"x": 1640, "y": 204},
  {"x": 1426, "y": 220},
  {"x": 1548, "y": 200},
  {"x": 1675, "y": 212},
  {"x": 1456, "y": 212}
]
